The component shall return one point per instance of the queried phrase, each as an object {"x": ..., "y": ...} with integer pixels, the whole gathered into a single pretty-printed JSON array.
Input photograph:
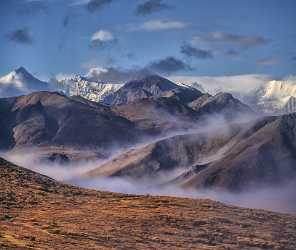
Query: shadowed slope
[
  {"x": 151, "y": 86},
  {"x": 54, "y": 119},
  {"x": 236, "y": 157}
]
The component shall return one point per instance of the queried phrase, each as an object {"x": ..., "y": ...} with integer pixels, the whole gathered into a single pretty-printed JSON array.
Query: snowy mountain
[
  {"x": 194, "y": 85},
  {"x": 271, "y": 97},
  {"x": 276, "y": 96},
  {"x": 20, "y": 82},
  {"x": 77, "y": 85}
]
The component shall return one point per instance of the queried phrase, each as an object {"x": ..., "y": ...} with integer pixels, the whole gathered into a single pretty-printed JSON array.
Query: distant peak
[
  {"x": 153, "y": 76},
  {"x": 224, "y": 94},
  {"x": 21, "y": 70},
  {"x": 152, "y": 80}
]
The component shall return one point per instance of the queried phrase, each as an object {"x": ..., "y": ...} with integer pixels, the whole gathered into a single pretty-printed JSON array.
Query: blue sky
[{"x": 170, "y": 37}]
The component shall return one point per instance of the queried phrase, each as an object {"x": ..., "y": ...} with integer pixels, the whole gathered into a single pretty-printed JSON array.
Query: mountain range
[
  {"x": 239, "y": 157},
  {"x": 153, "y": 129},
  {"x": 273, "y": 97}
]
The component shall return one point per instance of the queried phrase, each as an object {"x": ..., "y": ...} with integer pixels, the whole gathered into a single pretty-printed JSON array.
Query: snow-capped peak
[
  {"x": 276, "y": 95},
  {"x": 81, "y": 86},
  {"x": 279, "y": 89},
  {"x": 194, "y": 85},
  {"x": 20, "y": 81}
]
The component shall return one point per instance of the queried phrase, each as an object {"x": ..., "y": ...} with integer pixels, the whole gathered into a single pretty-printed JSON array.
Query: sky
[{"x": 168, "y": 37}]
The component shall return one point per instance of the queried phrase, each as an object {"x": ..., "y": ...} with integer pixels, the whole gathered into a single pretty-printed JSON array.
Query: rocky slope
[
  {"x": 158, "y": 115},
  {"x": 235, "y": 157},
  {"x": 49, "y": 118},
  {"x": 220, "y": 104},
  {"x": 160, "y": 105},
  {"x": 276, "y": 94},
  {"x": 38, "y": 213},
  {"x": 91, "y": 90},
  {"x": 54, "y": 120},
  {"x": 152, "y": 86}
]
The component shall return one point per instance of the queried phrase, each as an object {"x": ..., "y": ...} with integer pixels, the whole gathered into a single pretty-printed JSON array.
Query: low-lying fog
[
  {"x": 276, "y": 198},
  {"x": 280, "y": 199}
]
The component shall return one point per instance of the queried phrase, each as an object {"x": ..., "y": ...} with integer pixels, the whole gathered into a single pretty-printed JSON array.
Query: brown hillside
[{"x": 38, "y": 213}]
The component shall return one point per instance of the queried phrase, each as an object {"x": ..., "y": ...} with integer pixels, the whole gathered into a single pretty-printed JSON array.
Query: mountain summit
[
  {"x": 20, "y": 82},
  {"x": 150, "y": 86}
]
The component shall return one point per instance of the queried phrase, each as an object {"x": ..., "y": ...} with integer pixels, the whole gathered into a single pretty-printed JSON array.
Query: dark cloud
[
  {"x": 168, "y": 65},
  {"x": 30, "y": 8},
  {"x": 69, "y": 18},
  {"x": 66, "y": 21},
  {"x": 117, "y": 75},
  {"x": 21, "y": 36},
  {"x": 191, "y": 51},
  {"x": 231, "y": 53},
  {"x": 151, "y": 6},
  {"x": 95, "y": 5},
  {"x": 238, "y": 40}
]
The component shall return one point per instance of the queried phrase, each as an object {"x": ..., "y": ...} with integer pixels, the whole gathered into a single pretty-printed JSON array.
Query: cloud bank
[
  {"x": 243, "y": 84},
  {"x": 242, "y": 41}
]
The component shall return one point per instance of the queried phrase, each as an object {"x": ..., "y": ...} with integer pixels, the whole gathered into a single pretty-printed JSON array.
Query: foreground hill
[{"x": 38, "y": 213}]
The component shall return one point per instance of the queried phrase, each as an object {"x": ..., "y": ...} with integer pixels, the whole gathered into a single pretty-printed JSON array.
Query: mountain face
[
  {"x": 176, "y": 111},
  {"x": 108, "y": 93},
  {"x": 270, "y": 97},
  {"x": 236, "y": 158},
  {"x": 49, "y": 118},
  {"x": 276, "y": 96},
  {"x": 151, "y": 86},
  {"x": 178, "y": 152},
  {"x": 158, "y": 115},
  {"x": 90, "y": 219},
  {"x": 53, "y": 120},
  {"x": 20, "y": 82},
  {"x": 263, "y": 155},
  {"x": 222, "y": 104},
  {"x": 90, "y": 90}
]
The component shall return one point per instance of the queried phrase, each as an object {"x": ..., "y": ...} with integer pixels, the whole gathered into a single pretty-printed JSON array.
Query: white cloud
[
  {"x": 102, "y": 36},
  {"x": 160, "y": 25},
  {"x": 96, "y": 71},
  {"x": 62, "y": 76},
  {"x": 242, "y": 84}
]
